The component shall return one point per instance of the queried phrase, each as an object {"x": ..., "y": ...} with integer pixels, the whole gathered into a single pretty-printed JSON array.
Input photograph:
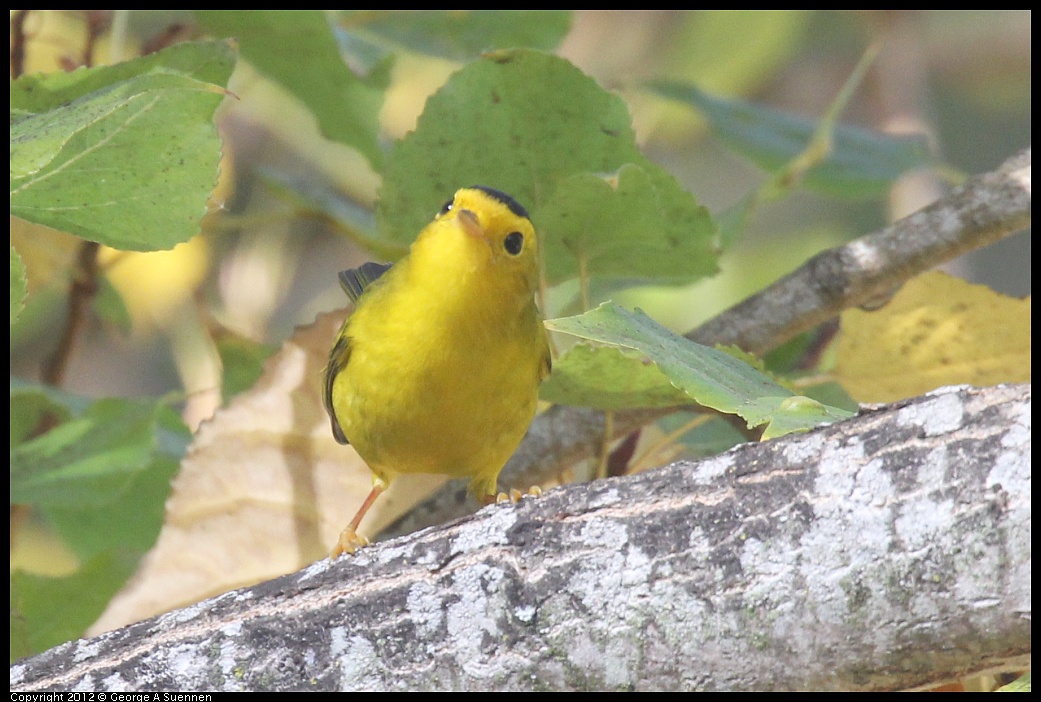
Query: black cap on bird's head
[{"x": 514, "y": 206}]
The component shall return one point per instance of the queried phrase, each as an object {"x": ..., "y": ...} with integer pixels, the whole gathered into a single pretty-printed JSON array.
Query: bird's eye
[
  {"x": 513, "y": 243},
  {"x": 445, "y": 208}
]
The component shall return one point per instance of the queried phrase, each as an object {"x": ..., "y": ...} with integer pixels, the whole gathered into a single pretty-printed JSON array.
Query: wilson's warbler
[{"x": 437, "y": 368}]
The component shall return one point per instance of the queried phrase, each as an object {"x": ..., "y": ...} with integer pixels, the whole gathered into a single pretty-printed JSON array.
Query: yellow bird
[{"x": 437, "y": 369}]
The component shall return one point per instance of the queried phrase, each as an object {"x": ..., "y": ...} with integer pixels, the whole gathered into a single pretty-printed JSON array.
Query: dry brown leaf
[
  {"x": 263, "y": 490},
  {"x": 937, "y": 330}
]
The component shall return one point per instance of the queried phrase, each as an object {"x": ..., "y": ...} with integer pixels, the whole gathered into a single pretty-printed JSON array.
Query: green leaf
[
  {"x": 297, "y": 50},
  {"x": 101, "y": 478},
  {"x": 711, "y": 436},
  {"x": 47, "y": 611},
  {"x": 624, "y": 379},
  {"x": 795, "y": 414},
  {"x": 704, "y": 375},
  {"x": 459, "y": 34},
  {"x": 19, "y": 285},
  {"x": 242, "y": 362},
  {"x": 535, "y": 126},
  {"x": 733, "y": 220},
  {"x": 88, "y": 460},
  {"x": 124, "y": 155},
  {"x": 861, "y": 163},
  {"x": 699, "y": 46},
  {"x": 134, "y": 525},
  {"x": 109, "y": 305},
  {"x": 634, "y": 224},
  {"x": 323, "y": 201},
  {"x": 520, "y": 121},
  {"x": 29, "y": 407},
  {"x": 1020, "y": 684}
]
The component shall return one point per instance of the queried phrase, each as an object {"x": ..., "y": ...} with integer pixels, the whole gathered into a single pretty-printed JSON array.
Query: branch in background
[
  {"x": 97, "y": 22},
  {"x": 863, "y": 273},
  {"x": 889, "y": 551},
  {"x": 82, "y": 290},
  {"x": 867, "y": 271},
  {"x": 18, "y": 18}
]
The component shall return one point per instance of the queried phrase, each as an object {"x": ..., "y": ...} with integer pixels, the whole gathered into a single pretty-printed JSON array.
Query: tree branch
[
  {"x": 884, "y": 552},
  {"x": 862, "y": 273},
  {"x": 867, "y": 271}
]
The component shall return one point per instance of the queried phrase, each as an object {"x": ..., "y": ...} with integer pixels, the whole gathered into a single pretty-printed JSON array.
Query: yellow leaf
[
  {"x": 264, "y": 490},
  {"x": 48, "y": 254},
  {"x": 937, "y": 330},
  {"x": 155, "y": 285}
]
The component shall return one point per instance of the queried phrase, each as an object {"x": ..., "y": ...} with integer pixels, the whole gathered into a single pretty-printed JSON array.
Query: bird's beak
[{"x": 469, "y": 221}]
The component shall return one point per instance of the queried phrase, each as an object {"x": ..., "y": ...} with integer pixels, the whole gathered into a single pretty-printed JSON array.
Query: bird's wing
[
  {"x": 355, "y": 280},
  {"x": 337, "y": 362}
]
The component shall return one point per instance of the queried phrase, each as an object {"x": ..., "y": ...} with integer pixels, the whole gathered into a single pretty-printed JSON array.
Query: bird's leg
[{"x": 350, "y": 540}]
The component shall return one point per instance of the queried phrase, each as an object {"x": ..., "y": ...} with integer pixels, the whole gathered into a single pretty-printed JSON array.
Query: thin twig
[
  {"x": 18, "y": 18},
  {"x": 97, "y": 22},
  {"x": 83, "y": 289}
]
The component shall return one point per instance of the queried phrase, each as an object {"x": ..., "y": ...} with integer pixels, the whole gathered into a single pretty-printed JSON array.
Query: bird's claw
[
  {"x": 349, "y": 542},
  {"x": 515, "y": 495}
]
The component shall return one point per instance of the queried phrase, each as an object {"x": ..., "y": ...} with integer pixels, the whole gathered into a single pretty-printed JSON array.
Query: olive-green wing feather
[
  {"x": 355, "y": 280},
  {"x": 547, "y": 356},
  {"x": 337, "y": 362}
]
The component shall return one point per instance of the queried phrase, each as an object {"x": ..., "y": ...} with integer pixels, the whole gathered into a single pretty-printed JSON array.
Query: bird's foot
[
  {"x": 349, "y": 542},
  {"x": 515, "y": 495}
]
